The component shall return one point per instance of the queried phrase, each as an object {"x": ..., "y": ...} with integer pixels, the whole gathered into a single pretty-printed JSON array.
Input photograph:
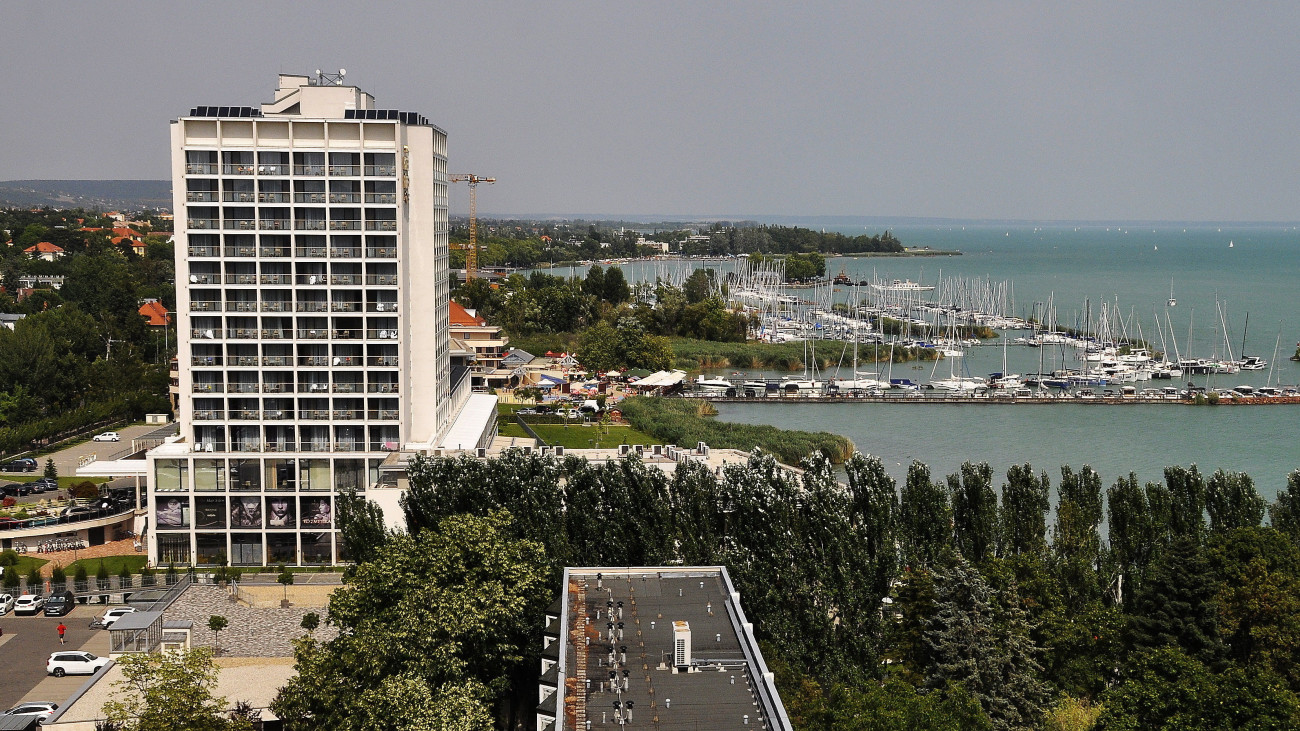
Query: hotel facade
[{"x": 312, "y": 291}]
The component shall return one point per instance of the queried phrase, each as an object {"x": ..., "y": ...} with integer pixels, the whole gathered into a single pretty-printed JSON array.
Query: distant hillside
[{"x": 101, "y": 195}]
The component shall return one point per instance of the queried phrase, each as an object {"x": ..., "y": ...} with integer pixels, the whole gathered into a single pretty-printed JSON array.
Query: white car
[
  {"x": 74, "y": 663},
  {"x": 6, "y": 603},
  {"x": 29, "y": 604},
  {"x": 37, "y": 709},
  {"x": 108, "y": 436},
  {"x": 113, "y": 615}
]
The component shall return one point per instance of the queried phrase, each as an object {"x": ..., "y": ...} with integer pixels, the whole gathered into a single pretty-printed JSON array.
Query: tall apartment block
[{"x": 312, "y": 291}]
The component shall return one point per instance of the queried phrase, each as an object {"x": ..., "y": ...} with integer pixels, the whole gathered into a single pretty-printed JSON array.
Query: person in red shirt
[{"x": 62, "y": 629}]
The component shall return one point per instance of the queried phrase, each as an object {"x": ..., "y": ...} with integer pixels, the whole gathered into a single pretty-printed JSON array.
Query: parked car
[
  {"x": 74, "y": 663},
  {"x": 526, "y": 411},
  {"x": 59, "y": 604},
  {"x": 108, "y": 436},
  {"x": 112, "y": 615},
  {"x": 45, "y": 484},
  {"x": 29, "y": 604},
  {"x": 34, "y": 709},
  {"x": 6, "y": 603},
  {"x": 77, "y": 511},
  {"x": 17, "y": 489},
  {"x": 26, "y": 464}
]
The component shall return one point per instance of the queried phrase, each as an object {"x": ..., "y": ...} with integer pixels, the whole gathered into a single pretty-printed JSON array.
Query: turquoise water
[{"x": 1130, "y": 265}]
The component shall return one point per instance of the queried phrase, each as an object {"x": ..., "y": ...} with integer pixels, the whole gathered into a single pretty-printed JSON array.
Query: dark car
[
  {"x": 59, "y": 604},
  {"x": 17, "y": 489},
  {"x": 26, "y": 464},
  {"x": 45, "y": 484}
]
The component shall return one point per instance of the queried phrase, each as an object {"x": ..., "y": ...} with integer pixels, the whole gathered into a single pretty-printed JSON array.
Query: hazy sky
[{"x": 1036, "y": 110}]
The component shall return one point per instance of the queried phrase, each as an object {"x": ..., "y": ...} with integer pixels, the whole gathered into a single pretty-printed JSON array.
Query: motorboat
[{"x": 714, "y": 385}]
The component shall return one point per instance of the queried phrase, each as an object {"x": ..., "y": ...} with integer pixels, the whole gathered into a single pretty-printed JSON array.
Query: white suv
[
  {"x": 108, "y": 436},
  {"x": 113, "y": 615},
  {"x": 74, "y": 663},
  {"x": 29, "y": 604}
]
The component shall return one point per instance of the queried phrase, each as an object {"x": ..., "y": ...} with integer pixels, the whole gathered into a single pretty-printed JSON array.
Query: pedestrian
[{"x": 62, "y": 629}]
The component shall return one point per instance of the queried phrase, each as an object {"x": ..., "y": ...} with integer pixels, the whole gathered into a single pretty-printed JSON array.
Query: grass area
[
  {"x": 113, "y": 563},
  {"x": 26, "y": 562},
  {"x": 685, "y": 422},
  {"x": 512, "y": 429},
  {"x": 577, "y": 436}
]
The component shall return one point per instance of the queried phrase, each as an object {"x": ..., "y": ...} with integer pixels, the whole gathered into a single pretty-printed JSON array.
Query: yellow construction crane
[{"x": 471, "y": 254}]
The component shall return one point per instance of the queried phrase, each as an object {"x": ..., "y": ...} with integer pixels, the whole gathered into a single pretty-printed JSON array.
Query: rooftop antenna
[{"x": 323, "y": 79}]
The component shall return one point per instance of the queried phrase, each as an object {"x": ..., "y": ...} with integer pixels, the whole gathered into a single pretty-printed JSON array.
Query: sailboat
[{"x": 1172, "y": 302}]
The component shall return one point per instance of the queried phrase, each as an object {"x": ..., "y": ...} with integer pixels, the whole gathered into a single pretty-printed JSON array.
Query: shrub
[
  {"x": 8, "y": 557},
  {"x": 58, "y": 576},
  {"x": 84, "y": 490},
  {"x": 80, "y": 574},
  {"x": 11, "y": 580},
  {"x": 102, "y": 573},
  {"x": 8, "y": 502},
  {"x": 125, "y": 573},
  {"x": 33, "y": 578}
]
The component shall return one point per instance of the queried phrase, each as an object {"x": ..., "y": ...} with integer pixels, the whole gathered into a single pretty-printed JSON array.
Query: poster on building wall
[
  {"x": 316, "y": 512},
  {"x": 280, "y": 512},
  {"x": 172, "y": 512},
  {"x": 210, "y": 512},
  {"x": 246, "y": 512}
]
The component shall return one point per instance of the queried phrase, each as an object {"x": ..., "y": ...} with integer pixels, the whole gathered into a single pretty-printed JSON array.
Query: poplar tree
[
  {"x": 924, "y": 518},
  {"x": 974, "y": 512},
  {"x": 1023, "y": 516},
  {"x": 1232, "y": 502}
]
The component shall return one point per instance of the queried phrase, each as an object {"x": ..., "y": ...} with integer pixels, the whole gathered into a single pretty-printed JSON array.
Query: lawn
[
  {"x": 578, "y": 436},
  {"x": 25, "y": 564},
  {"x": 112, "y": 563}
]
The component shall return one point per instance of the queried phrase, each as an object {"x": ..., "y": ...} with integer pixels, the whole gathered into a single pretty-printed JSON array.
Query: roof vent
[{"x": 682, "y": 646}]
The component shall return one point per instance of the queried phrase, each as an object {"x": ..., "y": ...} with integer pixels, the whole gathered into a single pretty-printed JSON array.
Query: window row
[
  {"x": 278, "y": 162},
  {"x": 290, "y": 438},
  {"x": 272, "y": 474},
  {"x": 304, "y": 409},
  {"x": 305, "y": 355},
  {"x": 285, "y": 245},
  {"x": 250, "y": 511},
  {"x": 237, "y": 190},
  {"x": 291, "y": 328},
  {"x": 249, "y": 549}
]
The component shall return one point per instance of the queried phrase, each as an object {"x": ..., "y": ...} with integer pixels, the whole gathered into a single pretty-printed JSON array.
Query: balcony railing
[
  {"x": 200, "y": 168},
  {"x": 245, "y": 360},
  {"x": 276, "y": 415},
  {"x": 345, "y": 252},
  {"x": 209, "y": 414},
  {"x": 345, "y": 197},
  {"x": 310, "y": 252},
  {"x": 388, "y": 198},
  {"x": 205, "y": 360},
  {"x": 205, "y": 306},
  {"x": 273, "y": 197},
  {"x": 383, "y": 446},
  {"x": 277, "y": 279},
  {"x": 274, "y": 224},
  {"x": 381, "y": 334},
  {"x": 281, "y": 446},
  {"x": 313, "y": 306},
  {"x": 277, "y": 387},
  {"x": 201, "y": 196},
  {"x": 347, "y": 334},
  {"x": 309, "y": 334},
  {"x": 275, "y": 252},
  {"x": 347, "y": 388},
  {"x": 380, "y": 171},
  {"x": 273, "y": 334},
  {"x": 345, "y": 170},
  {"x": 346, "y": 360},
  {"x": 345, "y": 306},
  {"x": 347, "y": 414},
  {"x": 279, "y": 169},
  {"x": 347, "y": 446},
  {"x": 275, "y": 306},
  {"x": 205, "y": 278},
  {"x": 382, "y": 415},
  {"x": 239, "y": 196},
  {"x": 309, "y": 198},
  {"x": 277, "y": 360},
  {"x": 382, "y": 307},
  {"x": 305, "y": 224},
  {"x": 352, "y": 279},
  {"x": 314, "y": 360},
  {"x": 241, "y": 278},
  {"x": 237, "y": 251},
  {"x": 238, "y": 169},
  {"x": 209, "y": 388},
  {"x": 311, "y": 279},
  {"x": 310, "y": 170},
  {"x": 381, "y": 225},
  {"x": 384, "y": 361},
  {"x": 245, "y": 414},
  {"x": 244, "y": 388},
  {"x": 250, "y": 446},
  {"x": 242, "y": 333},
  {"x": 313, "y": 388},
  {"x": 314, "y": 414},
  {"x": 381, "y": 252},
  {"x": 314, "y": 447},
  {"x": 389, "y": 280},
  {"x": 383, "y": 388},
  {"x": 239, "y": 224},
  {"x": 345, "y": 225},
  {"x": 241, "y": 307},
  {"x": 202, "y": 223},
  {"x": 204, "y": 251},
  {"x": 206, "y": 333}
]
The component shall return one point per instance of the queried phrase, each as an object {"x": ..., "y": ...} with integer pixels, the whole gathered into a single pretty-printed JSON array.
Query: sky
[{"x": 1034, "y": 110}]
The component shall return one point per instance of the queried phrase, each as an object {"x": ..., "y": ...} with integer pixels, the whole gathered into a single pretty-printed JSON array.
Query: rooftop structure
[{"x": 656, "y": 648}]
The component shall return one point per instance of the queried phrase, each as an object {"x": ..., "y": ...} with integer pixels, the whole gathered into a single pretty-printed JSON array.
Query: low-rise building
[
  {"x": 487, "y": 343},
  {"x": 45, "y": 251}
]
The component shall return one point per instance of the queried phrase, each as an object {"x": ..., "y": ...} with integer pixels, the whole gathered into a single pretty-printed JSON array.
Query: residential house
[
  {"x": 487, "y": 344},
  {"x": 156, "y": 314},
  {"x": 44, "y": 251}
]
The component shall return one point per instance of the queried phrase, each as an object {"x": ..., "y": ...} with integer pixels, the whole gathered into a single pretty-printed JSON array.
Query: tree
[
  {"x": 310, "y": 621},
  {"x": 984, "y": 646},
  {"x": 1076, "y": 543},
  {"x": 1187, "y": 501},
  {"x": 168, "y": 690},
  {"x": 361, "y": 526},
  {"x": 924, "y": 518},
  {"x": 1232, "y": 502},
  {"x": 974, "y": 512},
  {"x": 1257, "y": 572},
  {"x": 429, "y": 628},
  {"x": 615, "y": 289},
  {"x": 51, "y": 471},
  {"x": 1284, "y": 514},
  {"x": 1175, "y": 606},
  {"x": 217, "y": 623},
  {"x": 1024, "y": 511},
  {"x": 285, "y": 579}
]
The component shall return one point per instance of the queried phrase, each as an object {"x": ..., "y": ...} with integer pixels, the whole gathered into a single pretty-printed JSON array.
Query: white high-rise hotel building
[{"x": 312, "y": 288}]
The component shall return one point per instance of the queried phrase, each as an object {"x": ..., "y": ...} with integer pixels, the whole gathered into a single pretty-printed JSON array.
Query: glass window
[
  {"x": 210, "y": 512},
  {"x": 172, "y": 511},
  {"x": 209, "y": 475},
  {"x": 314, "y": 474},
  {"x": 316, "y": 548},
  {"x": 171, "y": 475},
  {"x": 282, "y": 548},
  {"x": 174, "y": 549},
  {"x": 246, "y": 512},
  {"x": 316, "y": 512},
  {"x": 246, "y": 549},
  {"x": 349, "y": 474},
  {"x": 210, "y": 547},
  {"x": 280, "y": 474},
  {"x": 280, "y": 512},
  {"x": 245, "y": 474}
]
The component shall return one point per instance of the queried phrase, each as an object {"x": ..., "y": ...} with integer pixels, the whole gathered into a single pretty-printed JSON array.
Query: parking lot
[{"x": 26, "y": 645}]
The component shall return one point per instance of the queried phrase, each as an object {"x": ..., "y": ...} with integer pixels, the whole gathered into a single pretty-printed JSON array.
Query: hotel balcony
[
  {"x": 205, "y": 360},
  {"x": 345, "y": 252},
  {"x": 310, "y": 252},
  {"x": 202, "y": 223},
  {"x": 344, "y": 197},
  {"x": 309, "y": 170},
  {"x": 345, "y": 170},
  {"x": 209, "y": 415},
  {"x": 381, "y": 225},
  {"x": 381, "y": 252},
  {"x": 238, "y": 169},
  {"x": 201, "y": 168},
  {"x": 274, "y": 334},
  {"x": 389, "y": 280},
  {"x": 275, "y": 224},
  {"x": 205, "y": 306},
  {"x": 239, "y": 196},
  {"x": 313, "y": 307},
  {"x": 381, "y": 334},
  {"x": 382, "y": 415},
  {"x": 346, "y": 225},
  {"x": 309, "y": 224},
  {"x": 239, "y": 224},
  {"x": 380, "y": 171},
  {"x": 382, "y": 198},
  {"x": 201, "y": 196},
  {"x": 277, "y": 360},
  {"x": 277, "y": 279},
  {"x": 198, "y": 250}
]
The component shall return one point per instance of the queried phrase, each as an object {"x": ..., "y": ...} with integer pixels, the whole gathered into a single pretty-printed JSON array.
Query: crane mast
[{"x": 471, "y": 254}]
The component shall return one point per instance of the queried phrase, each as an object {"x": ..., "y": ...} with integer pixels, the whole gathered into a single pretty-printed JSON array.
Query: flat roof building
[
  {"x": 653, "y": 648},
  {"x": 312, "y": 289}
]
